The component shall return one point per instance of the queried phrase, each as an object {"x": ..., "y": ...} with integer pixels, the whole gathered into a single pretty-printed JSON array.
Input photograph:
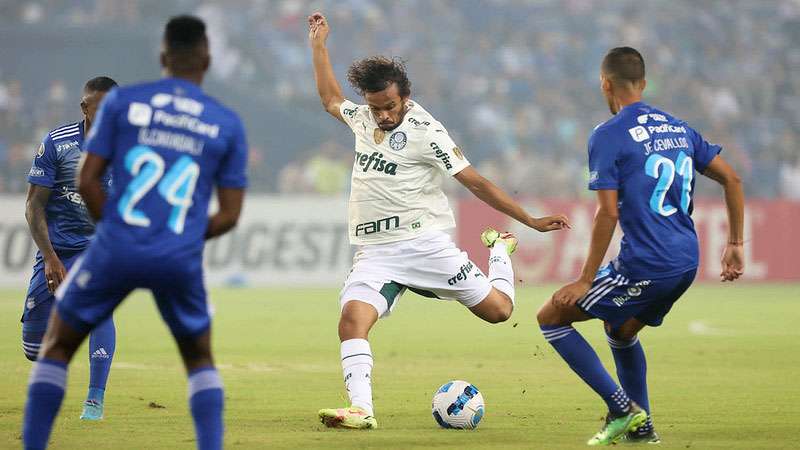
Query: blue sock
[
  {"x": 206, "y": 400},
  {"x": 45, "y": 392},
  {"x": 584, "y": 361},
  {"x": 632, "y": 373},
  {"x": 102, "y": 344}
]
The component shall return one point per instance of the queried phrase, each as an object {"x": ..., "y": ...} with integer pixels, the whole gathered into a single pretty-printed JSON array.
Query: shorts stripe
[
  {"x": 590, "y": 301},
  {"x": 595, "y": 289}
]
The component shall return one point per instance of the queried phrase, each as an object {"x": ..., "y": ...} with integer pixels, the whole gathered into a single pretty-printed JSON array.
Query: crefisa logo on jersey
[{"x": 398, "y": 140}]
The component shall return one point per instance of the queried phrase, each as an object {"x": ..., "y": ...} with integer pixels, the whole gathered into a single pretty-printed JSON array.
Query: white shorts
[{"x": 430, "y": 265}]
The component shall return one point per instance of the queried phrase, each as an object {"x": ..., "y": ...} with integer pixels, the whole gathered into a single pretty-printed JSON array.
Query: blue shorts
[
  {"x": 38, "y": 300},
  {"x": 104, "y": 276},
  {"x": 614, "y": 298}
]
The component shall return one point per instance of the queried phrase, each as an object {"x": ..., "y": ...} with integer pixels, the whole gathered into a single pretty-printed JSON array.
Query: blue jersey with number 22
[
  {"x": 650, "y": 158},
  {"x": 168, "y": 144}
]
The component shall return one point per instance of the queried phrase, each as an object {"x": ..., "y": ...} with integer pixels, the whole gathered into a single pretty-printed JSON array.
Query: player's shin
[
  {"x": 631, "y": 366},
  {"x": 102, "y": 345},
  {"x": 357, "y": 369},
  {"x": 206, "y": 401},
  {"x": 46, "y": 386},
  {"x": 583, "y": 360},
  {"x": 501, "y": 273}
]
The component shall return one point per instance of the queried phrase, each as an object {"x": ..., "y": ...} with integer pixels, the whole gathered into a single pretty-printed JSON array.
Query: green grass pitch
[{"x": 724, "y": 372}]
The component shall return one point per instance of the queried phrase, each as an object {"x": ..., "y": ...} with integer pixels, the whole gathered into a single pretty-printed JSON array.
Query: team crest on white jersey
[{"x": 397, "y": 141}]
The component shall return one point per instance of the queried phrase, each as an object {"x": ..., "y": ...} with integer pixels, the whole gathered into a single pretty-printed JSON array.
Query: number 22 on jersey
[
  {"x": 663, "y": 169},
  {"x": 176, "y": 187}
]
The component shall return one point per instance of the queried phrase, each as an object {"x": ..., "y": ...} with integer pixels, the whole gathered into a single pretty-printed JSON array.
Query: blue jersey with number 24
[
  {"x": 650, "y": 158},
  {"x": 168, "y": 145}
]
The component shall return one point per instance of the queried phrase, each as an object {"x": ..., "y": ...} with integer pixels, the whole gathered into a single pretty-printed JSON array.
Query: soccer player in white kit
[{"x": 398, "y": 215}]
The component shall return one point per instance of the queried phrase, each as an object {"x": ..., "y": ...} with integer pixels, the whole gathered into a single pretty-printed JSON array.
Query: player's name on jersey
[
  {"x": 660, "y": 145},
  {"x": 176, "y": 141}
]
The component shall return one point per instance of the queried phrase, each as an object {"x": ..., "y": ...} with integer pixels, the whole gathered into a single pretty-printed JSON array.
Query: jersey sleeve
[
  {"x": 703, "y": 151},
  {"x": 45, "y": 165},
  {"x": 101, "y": 137},
  {"x": 440, "y": 151},
  {"x": 232, "y": 171},
  {"x": 603, "y": 171},
  {"x": 348, "y": 110}
]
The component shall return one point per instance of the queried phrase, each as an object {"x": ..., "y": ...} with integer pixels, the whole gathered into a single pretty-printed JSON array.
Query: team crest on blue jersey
[{"x": 398, "y": 140}]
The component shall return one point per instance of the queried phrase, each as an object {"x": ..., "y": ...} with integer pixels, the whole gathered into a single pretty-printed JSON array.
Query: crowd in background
[{"x": 516, "y": 82}]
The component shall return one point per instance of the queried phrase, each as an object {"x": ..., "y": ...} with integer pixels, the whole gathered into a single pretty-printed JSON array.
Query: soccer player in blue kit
[
  {"x": 642, "y": 164},
  {"x": 61, "y": 228},
  {"x": 168, "y": 145}
]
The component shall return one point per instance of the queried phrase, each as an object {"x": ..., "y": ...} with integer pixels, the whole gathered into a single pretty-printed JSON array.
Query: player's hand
[
  {"x": 732, "y": 262},
  {"x": 571, "y": 293},
  {"x": 54, "y": 273},
  {"x": 318, "y": 29},
  {"x": 550, "y": 223}
]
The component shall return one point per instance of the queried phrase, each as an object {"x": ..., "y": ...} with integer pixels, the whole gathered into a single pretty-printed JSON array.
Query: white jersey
[{"x": 396, "y": 186}]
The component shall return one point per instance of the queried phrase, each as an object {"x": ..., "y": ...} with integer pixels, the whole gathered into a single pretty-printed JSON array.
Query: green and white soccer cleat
[
  {"x": 616, "y": 427},
  {"x": 490, "y": 236},
  {"x": 92, "y": 410},
  {"x": 352, "y": 417},
  {"x": 632, "y": 437}
]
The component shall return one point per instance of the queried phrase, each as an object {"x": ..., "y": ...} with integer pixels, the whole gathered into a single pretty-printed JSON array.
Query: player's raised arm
[
  {"x": 733, "y": 257},
  {"x": 498, "y": 199},
  {"x": 330, "y": 93}
]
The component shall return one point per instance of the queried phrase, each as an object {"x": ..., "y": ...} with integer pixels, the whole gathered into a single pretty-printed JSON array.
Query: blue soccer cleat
[{"x": 92, "y": 410}]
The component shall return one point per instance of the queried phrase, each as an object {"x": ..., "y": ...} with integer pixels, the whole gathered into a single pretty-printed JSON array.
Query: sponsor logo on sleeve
[
  {"x": 60, "y": 147},
  {"x": 639, "y": 133},
  {"x": 140, "y": 114},
  {"x": 437, "y": 151},
  {"x": 397, "y": 141},
  {"x": 349, "y": 112},
  {"x": 36, "y": 172}
]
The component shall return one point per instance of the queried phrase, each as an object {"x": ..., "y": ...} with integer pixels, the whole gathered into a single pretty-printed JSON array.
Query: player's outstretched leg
[
  {"x": 206, "y": 396},
  {"x": 102, "y": 344},
  {"x": 354, "y": 325},
  {"x": 631, "y": 366},
  {"x": 499, "y": 304},
  {"x": 624, "y": 415},
  {"x": 48, "y": 381}
]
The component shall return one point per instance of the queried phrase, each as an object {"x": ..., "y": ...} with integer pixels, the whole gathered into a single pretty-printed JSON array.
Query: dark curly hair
[{"x": 377, "y": 73}]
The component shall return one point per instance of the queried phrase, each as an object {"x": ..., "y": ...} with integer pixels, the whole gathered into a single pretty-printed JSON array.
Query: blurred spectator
[{"x": 514, "y": 81}]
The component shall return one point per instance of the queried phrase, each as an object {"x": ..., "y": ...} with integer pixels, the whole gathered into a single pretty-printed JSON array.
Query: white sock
[
  {"x": 357, "y": 368},
  {"x": 501, "y": 274}
]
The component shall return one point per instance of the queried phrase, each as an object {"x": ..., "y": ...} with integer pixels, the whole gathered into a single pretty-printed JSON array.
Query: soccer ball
[{"x": 458, "y": 404}]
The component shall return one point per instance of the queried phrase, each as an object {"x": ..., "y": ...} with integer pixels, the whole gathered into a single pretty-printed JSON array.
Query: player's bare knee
[
  {"x": 547, "y": 315},
  {"x": 356, "y": 320}
]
